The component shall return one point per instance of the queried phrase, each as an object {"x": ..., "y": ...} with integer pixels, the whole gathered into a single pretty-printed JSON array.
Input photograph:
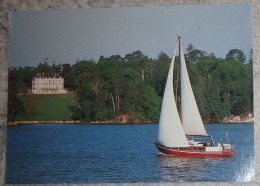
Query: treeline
[{"x": 134, "y": 84}]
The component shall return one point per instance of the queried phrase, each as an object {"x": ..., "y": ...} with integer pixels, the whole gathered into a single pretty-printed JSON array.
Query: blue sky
[{"x": 65, "y": 35}]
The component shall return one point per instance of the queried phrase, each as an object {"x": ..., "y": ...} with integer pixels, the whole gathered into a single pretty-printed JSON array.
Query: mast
[
  {"x": 171, "y": 132},
  {"x": 179, "y": 75}
]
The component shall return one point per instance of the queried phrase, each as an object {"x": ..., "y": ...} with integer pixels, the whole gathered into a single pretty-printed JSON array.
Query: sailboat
[{"x": 177, "y": 129}]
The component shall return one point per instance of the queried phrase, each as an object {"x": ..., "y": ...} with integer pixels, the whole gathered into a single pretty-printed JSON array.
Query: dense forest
[{"x": 134, "y": 85}]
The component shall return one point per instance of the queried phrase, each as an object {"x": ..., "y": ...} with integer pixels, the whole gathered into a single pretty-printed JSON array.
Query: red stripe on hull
[{"x": 195, "y": 154}]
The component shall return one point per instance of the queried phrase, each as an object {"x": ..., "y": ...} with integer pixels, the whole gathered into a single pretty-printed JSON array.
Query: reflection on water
[
  {"x": 180, "y": 169},
  {"x": 184, "y": 169}
]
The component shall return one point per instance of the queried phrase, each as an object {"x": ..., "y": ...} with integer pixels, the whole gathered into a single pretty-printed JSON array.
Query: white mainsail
[
  {"x": 171, "y": 133},
  {"x": 191, "y": 120}
]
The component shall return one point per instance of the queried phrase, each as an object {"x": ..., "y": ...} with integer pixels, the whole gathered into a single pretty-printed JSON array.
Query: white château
[{"x": 48, "y": 84}]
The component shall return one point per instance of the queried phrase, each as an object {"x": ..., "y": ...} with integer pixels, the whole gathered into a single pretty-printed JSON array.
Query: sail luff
[
  {"x": 191, "y": 119},
  {"x": 179, "y": 76},
  {"x": 171, "y": 133}
]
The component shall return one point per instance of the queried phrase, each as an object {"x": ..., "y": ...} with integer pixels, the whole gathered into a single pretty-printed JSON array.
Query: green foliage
[
  {"x": 150, "y": 103},
  {"x": 116, "y": 88},
  {"x": 237, "y": 55},
  {"x": 25, "y": 74},
  {"x": 242, "y": 105},
  {"x": 134, "y": 85},
  {"x": 15, "y": 104},
  {"x": 160, "y": 73},
  {"x": 227, "y": 84}
]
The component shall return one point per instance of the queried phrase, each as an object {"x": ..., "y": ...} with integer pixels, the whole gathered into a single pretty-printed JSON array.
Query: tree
[
  {"x": 56, "y": 68},
  {"x": 241, "y": 106},
  {"x": 30, "y": 103},
  {"x": 43, "y": 68},
  {"x": 135, "y": 55},
  {"x": 65, "y": 71},
  {"x": 250, "y": 61},
  {"x": 237, "y": 55},
  {"x": 15, "y": 104},
  {"x": 85, "y": 95},
  {"x": 151, "y": 103},
  {"x": 194, "y": 54},
  {"x": 190, "y": 48},
  {"x": 163, "y": 56},
  {"x": 160, "y": 73}
]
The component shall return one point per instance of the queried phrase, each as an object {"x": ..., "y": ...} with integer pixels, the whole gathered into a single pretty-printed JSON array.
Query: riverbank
[
  {"x": 246, "y": 118},
  {"x": 126, "y": 119},
  {"x": 15, "y": 123}
]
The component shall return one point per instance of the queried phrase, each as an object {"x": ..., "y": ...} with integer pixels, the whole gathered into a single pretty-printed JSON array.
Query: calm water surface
[{"x": 54, "y": 153}]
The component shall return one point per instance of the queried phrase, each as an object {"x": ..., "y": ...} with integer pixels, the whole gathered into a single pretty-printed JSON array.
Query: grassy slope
[{"x": 51, "y": 107}]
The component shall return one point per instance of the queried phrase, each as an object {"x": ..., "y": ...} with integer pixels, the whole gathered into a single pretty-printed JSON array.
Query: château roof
[{"x": 48, "y": 75}]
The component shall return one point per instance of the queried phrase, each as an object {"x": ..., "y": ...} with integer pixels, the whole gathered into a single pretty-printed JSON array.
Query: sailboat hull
[{"x": 193, "y": 152}]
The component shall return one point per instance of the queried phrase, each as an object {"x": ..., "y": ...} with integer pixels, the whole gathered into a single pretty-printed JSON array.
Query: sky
[{"x": 65, "y": 36}]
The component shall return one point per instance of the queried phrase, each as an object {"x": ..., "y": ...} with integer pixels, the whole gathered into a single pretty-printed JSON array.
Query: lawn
[{"x": 50, "y": 107}]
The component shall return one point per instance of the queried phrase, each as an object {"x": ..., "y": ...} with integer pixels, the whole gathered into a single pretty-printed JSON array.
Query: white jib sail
[
  {"x": 171, "y": 133},
  {"x": 191, "y": 120}
]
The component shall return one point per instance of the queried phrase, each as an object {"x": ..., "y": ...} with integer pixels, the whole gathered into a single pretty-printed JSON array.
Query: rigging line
[
  {"x": 220, "y": 137},
  {"x": 177, "y": 83},
  {"x": 201, "y": 96},
  {"x": 177, "y": 78},
  {"x": 227, "y": 137},
  {"x": 202, "y": 104},
  {"x": 200, "y": 80}
]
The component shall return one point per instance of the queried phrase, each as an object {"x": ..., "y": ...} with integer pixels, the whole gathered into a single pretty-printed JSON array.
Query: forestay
[
  {"x": 171, "y": 133},
  {"x": 191, "y": 119}
]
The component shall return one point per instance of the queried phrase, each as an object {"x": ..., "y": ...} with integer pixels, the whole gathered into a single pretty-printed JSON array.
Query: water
[{"x": 57, "y": 153}]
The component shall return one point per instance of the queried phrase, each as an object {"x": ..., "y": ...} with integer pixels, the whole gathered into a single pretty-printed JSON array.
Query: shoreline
[{"x": 16, "y": 123}]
